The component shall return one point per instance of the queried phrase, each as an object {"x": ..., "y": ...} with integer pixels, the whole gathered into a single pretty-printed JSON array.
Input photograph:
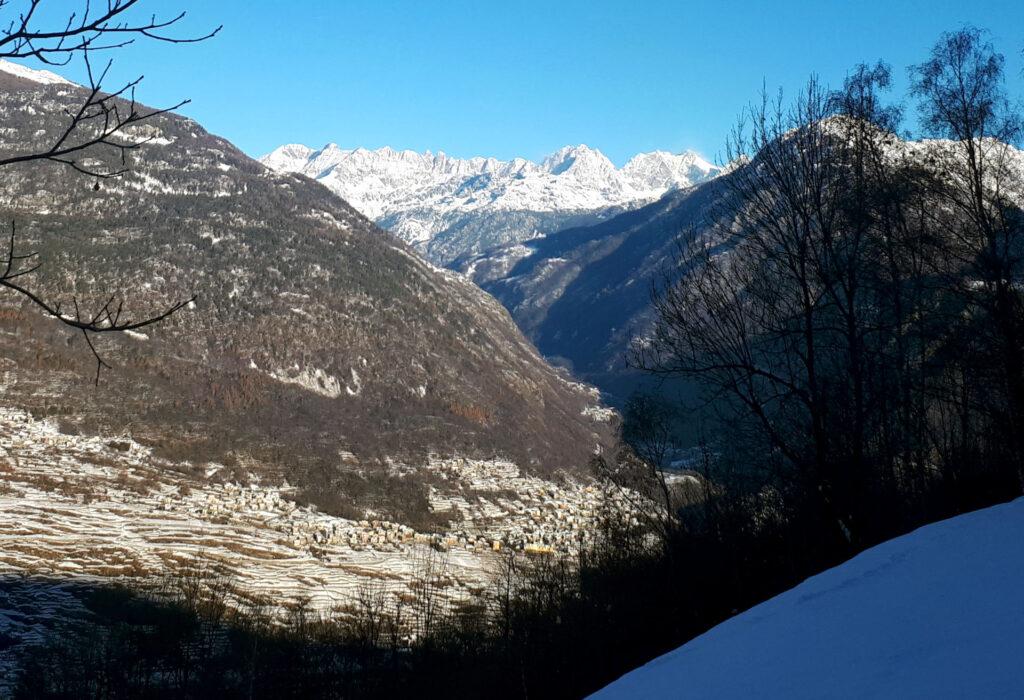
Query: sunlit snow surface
[
  {"x": 420, "y": 196},
  {"x": 938, "y": 613},
  {"x": 44, "y": 77}
]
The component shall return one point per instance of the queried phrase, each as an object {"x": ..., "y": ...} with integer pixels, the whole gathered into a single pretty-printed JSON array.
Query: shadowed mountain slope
[{"x": 580, "y": 293}]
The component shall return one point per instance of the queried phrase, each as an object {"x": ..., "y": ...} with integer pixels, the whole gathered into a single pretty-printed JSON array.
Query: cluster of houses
[
  {"x": 492, "y": 506},
  {"x": 497, "y": 502}
]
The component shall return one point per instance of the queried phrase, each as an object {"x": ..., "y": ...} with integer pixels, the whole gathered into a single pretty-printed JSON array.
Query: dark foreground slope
[
  {"x": 318, "y": 343},
  {"x": 936, "y": 613}
]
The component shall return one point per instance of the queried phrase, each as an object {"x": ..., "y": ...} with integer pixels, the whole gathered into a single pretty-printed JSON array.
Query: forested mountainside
[{"x": 318, "y": 345}]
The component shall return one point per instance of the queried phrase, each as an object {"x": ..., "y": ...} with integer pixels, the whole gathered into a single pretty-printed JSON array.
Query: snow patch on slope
[
  {"x": 312, "y": 379},
  {"x": 936, "y": 613},
  {"x": 43, "y": 77}
]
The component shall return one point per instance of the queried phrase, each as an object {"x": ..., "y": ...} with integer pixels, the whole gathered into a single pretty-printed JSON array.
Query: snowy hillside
[
  {"x": 937, "y": 613},
  {"x": 447, "y": 206}
]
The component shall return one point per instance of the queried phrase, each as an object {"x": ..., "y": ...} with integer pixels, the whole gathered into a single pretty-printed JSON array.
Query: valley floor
[{"x": 77, "y": 511}]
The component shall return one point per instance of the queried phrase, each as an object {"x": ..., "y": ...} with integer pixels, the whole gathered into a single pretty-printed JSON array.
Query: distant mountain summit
[{"x": 450, "y": 207}]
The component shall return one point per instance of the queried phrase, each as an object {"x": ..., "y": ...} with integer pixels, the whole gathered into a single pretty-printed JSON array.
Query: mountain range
[{"x": 451, "y": 208}]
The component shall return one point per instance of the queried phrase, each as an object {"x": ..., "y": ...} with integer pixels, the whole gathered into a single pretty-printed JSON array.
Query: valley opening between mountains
[{"x": 379, "y": 423}]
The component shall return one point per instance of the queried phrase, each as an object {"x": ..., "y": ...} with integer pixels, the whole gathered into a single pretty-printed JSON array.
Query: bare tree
[
  {"x": 779, "y": 305},
  {"x": 100, "y": 122},
  {"x": 962, "y": 97},
  {"x": 369, "y": 626},
  {"x": 430, "y": 597},
  {"x": 853, "y": 305},
  {"x": 761, "y": 291},
  {"x": 650, "y": 430}
]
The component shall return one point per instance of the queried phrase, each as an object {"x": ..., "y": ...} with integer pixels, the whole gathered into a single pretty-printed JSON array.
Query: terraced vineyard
[{"x": 78, "y": 510}]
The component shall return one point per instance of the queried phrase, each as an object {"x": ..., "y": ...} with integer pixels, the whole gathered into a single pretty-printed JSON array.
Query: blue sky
[{"x": 524, "y": 78}]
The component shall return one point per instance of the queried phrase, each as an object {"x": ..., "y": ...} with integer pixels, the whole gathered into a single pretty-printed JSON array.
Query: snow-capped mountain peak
[
  {"x": 436, "y": 201},
  {"x": 661, "y": 169},
  {"x": 284, "y": 156},
  {"x": 569, "y": 157}
]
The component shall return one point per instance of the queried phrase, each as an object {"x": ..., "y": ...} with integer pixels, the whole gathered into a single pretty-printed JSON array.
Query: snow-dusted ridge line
[
  {"x": 936, "y": 613},
  {"x": 419, "y": 196},
  {"x": 44, "y": 77},
  {"x": 584, "y": 176}
]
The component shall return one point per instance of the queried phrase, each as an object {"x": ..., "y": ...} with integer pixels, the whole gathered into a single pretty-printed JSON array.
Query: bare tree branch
[
  {"x": 101, "y": 122},
  {"x": 112, "y": 28}
]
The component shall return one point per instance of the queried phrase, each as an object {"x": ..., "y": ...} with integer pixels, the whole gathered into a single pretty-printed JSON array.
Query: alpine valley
[
  {"x": 345, "y": 403},
  {"x": 369, "y": 424},
  {"x": 572, "y": 226}
]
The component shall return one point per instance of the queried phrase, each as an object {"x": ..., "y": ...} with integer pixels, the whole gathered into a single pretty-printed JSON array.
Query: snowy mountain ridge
[
  {"x": 478, "y": 203},
  {"x": 43, "y": 77}
]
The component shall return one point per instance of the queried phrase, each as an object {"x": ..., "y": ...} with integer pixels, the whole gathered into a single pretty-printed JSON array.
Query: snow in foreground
[{"x": 937, "y": 613}]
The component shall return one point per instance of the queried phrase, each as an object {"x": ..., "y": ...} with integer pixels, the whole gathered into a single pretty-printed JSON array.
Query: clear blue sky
[{"x": 524, "y": 78}]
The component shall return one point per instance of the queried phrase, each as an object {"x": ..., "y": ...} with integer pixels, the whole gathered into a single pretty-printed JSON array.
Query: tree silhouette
[{"x": 99, "y": 123}]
